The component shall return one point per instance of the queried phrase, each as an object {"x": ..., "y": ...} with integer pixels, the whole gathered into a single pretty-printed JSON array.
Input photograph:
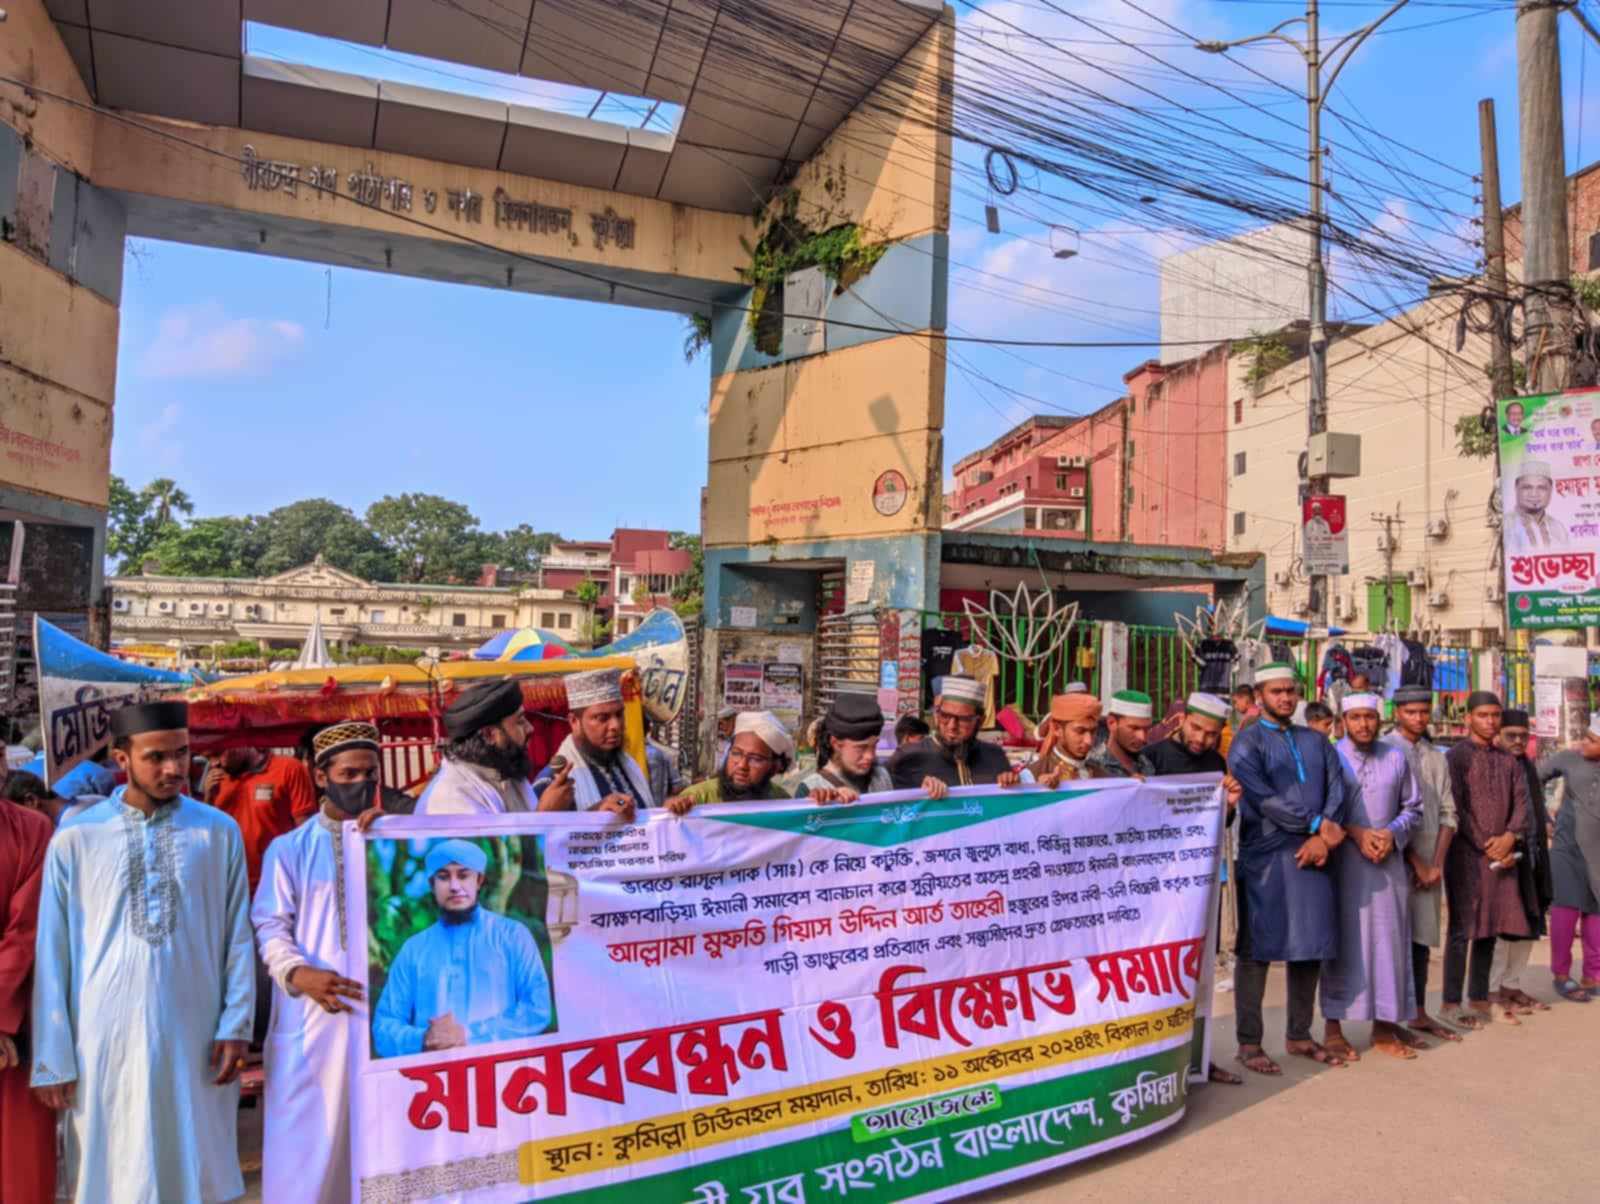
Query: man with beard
[
  {"x": 1193, "y": 749},
  {"x": 1430, "y": 842},
  {"x": 1121, "y": 754},
  {"x": 848, "y": 751},
  {"x": 265, "y": 794},
  {"x": 485, "y": 766},
  {"x": 1369, "y": 978},
  {"x": 596, "y": 773},
  {"x": 143, "y": 984},
  {"x": 761, "y": 750},
  {"x": 299, "y": 920},
  {"x": 1480, "y": 877},
  {"x": 954, "y": 756},
  {"x": 1290, "y": 811},
  {"x": 470, "y": 978},
  {"x": 1533, "y": 878}
]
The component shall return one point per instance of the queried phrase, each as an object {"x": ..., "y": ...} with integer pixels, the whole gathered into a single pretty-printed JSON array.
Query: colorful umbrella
[{"x": 523, "y": 644}]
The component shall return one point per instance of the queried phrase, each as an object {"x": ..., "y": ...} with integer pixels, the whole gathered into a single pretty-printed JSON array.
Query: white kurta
[
  {"x": 299, "y": 918},
  {"x": 461, "y": 789},
  {"x": 145, "y": 959}
]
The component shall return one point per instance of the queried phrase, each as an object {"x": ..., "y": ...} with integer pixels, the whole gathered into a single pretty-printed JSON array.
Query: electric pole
[
  {"x": 1390, "y": 542},
  {"x": 1501, "y": 382},
  {"x": 1546, "y": 267}
]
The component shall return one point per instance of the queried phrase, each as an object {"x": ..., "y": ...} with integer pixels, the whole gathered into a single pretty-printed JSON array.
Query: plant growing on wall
[
  {"x": 1264, "y": 354},
  {"x": 1586, "y": 292},
  {"x": 696, "y": 336},
  {"x": 789, "y": 244},
  {"x": 1475, "y": 438}
]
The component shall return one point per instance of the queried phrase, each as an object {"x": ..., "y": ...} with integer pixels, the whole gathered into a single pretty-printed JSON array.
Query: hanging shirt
[
  {"x": 1290, "y": 777},
  {"x": 144, "y": 960},
  {"x": 299, "y": 919},
  {"x": 462, "y": 788},
  {"x": 485, "y": 972},
  {"x": 266, "y": 804}
]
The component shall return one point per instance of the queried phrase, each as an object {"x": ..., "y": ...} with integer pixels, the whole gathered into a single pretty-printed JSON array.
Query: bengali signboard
[
  {"x": 902, "y": 999},
  {"x": 1324, "y": 534},
  {"x": 79, "y": 687},
  {"x": 1550, "y": 481}
]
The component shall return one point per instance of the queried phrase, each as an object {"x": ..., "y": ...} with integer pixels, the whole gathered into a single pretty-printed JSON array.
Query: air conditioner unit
[
  {"x": 219, "y": 608},
  {"x": 164, "y": 607},
  {"x": 1075, "y": 491},
  {"x": 1439, "y": 528},
  {"x": 196, "y": 608},
  {"x": 1494, "y": 592},
  {"x": 1282, "y": 578},
  {"x": 252, "y": 610},
  {"x": 1063, "y": 461},
  {"x": 1439, "y": 600},
  {"x": 1386, "y": 542},
  {"x": 1417, "y": 576},
  {"x": 120, "y": 605}
]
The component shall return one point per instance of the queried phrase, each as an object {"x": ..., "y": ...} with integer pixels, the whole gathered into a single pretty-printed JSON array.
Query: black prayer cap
[
  {"x": 143, "y": 717},
  {"x": 480, "y": 707},
  {"x": 1514, "y": 719},
  {"x": 1482, "y": 698},
  {"x": 853, "y": 717},
  {"x": 1407, "y": 694}
]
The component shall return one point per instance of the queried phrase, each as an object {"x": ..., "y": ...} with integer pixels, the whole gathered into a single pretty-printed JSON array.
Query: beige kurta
[{"x": 1438, "y": 811}]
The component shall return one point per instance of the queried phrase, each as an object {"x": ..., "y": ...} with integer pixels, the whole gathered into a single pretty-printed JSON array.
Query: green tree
[
  {"x": 298, "y": 533},
  {"x": 208, "y": 547},
  {"x": 689, "y": 594},
  {"x": 433, "y": 539},
  {"x": 588, "y": 593},
  {"x": 165, "y": 498},
  {"x": 136, "y": 520},
  {"x": 520, "y": 548}
]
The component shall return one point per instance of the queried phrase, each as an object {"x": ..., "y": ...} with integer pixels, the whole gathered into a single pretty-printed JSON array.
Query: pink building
[{"x": 1148, "y": 468}]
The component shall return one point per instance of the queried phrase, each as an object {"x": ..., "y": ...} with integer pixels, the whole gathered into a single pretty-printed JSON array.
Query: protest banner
[{"x": 902, "y": 999}]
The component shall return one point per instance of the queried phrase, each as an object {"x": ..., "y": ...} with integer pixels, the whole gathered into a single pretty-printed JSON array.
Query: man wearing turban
[{"x": 469, "y": 978}]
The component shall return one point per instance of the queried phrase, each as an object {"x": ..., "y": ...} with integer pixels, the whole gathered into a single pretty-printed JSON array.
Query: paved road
[{"x": 1509, "y": 1114}]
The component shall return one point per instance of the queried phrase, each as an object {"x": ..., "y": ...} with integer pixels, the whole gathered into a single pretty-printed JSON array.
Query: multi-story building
[
  {"x": 278, "y": 611},
  {"x": 1147, "y": 468},
  {"x": 645, "y": 568}
]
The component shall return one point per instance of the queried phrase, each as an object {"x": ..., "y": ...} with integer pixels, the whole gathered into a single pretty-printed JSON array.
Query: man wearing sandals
[
  {"x": 1575, "y": 864},
  {"x": 1430, "y": 842},
  {"x": 1290, "y": 812},
  {"x": 1371, "y": 978},
  {"x": 1480, "y": 878},
  {"x": 1533, "y": 880}
]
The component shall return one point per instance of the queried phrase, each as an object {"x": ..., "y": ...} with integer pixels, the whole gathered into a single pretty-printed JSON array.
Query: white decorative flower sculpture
[{"x": 1021, "y": 626}]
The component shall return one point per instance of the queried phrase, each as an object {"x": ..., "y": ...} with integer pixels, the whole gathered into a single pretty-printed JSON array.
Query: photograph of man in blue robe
[{"x": 470, "y": 978}]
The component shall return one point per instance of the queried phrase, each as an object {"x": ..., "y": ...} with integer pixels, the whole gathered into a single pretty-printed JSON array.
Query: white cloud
[{"x": 203, "y": 341}]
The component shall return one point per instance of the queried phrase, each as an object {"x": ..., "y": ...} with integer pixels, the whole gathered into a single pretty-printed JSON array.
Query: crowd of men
[{"x": 137, "y": 928}]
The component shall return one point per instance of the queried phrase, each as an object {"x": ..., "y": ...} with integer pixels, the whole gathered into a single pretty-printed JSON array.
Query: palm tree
[{"x": 166, "y": 497}]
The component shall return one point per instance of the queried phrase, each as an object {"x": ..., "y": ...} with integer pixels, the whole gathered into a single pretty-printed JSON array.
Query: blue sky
[{"x": 237, "y": 377}]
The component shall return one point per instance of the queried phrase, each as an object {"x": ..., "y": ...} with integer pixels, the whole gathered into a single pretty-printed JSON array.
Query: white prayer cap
[
  {"x": 1535, "y": 468},
  {"x": 959, "y": 688},
  {"x": 1361, "y": 702},
  {"x": 455, "y": 852},
  {"x": 1208, "y": 705},
  {"x": 1594, "y": 723},
  {"x": 1276, "y": 671},
  {"x": 1131, "y": 704},
  {"x": 1075, "y": 687},
  {"x": 594, "y": 688},
  {"x": 765, "y": 726}
]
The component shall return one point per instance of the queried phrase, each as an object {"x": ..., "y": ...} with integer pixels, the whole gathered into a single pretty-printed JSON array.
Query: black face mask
[{"x": 352, "y": 798}]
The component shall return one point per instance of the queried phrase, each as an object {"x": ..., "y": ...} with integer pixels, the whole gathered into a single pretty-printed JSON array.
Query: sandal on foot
[
  {"x": 1341, "y": 1048},
  {"x": 1470, "y": 1021},
  {"x": 1528, "y": 1002},
  {"x": 1433, "y": 1028},
  {"x": 1218, "y": 1075},
  {"x": 1258, "y": 1062},
  {"x": 1410, "y": 1039},
  {"x": 1318, "y": 1053},
  {"x": 1571, "y": 991}
]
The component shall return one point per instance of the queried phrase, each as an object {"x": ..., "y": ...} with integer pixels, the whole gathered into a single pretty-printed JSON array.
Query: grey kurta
[
  {"x": 1575, "y": 850},
  {"x": 1370, "y": 978},
  {"x": 1438, "y": 812}
]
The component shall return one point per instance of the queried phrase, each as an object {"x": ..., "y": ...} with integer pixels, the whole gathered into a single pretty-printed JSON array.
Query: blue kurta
[
  {"x": 144, "y": 959},
  {"x": 486, "y": 973},
  {"x": 1371, "y": 978},
  {"x": 1289, "y": 776}
]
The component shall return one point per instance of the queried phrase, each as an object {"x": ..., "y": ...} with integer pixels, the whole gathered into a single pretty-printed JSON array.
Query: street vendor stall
[{"x": 278, "y": 709}]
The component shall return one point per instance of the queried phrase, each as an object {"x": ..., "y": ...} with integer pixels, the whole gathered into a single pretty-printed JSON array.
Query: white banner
[{"x": 901, "y": 999}]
